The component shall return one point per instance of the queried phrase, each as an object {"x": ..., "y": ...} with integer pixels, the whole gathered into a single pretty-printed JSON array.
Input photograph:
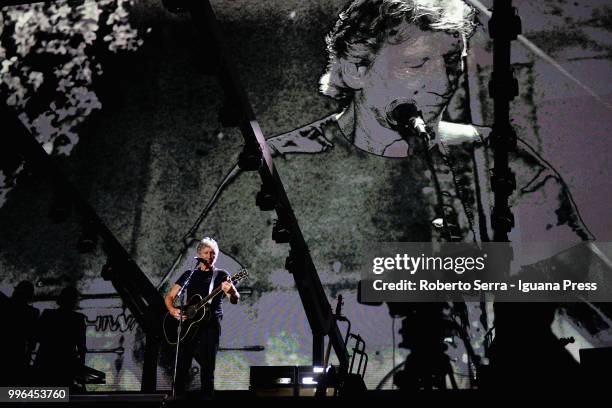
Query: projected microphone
[
  {"x": 418, "y": 125},
  {"x": 404, "y": 116}
]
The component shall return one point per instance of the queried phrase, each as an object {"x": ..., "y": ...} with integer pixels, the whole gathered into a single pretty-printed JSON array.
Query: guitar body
[
  {"x": 197, "y": 310},
  {"x": 196, "y": 314}
]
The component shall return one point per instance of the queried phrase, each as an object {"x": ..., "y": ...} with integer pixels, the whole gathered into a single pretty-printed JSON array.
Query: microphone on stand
[
  {"x": 404, "y": 117},
  {"x": 201, "y": 260}
]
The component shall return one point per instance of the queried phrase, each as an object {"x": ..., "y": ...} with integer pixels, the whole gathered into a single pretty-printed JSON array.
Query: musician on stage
[
  {"x": 19, "y": 318},
  {"x": 206, "y": 340},
  {"x": 61, "y": 334}
]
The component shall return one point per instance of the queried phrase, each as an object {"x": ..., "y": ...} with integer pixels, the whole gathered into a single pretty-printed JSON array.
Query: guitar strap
[{"x": 212, "y": 283}]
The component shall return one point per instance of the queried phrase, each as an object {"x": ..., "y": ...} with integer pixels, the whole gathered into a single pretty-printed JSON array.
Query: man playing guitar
[{"x": 206, "y": 339}]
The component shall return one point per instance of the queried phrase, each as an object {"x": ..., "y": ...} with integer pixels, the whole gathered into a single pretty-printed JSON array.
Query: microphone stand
[
  {"x": 403, "y": 120},
  {"x": 181, "y": 297}
]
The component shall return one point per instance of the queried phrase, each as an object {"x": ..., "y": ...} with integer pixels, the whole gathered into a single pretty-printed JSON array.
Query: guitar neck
[
  {"x": 212, "y": 294},
  {"x": 240, "y": 275},
  {"x": 215, "y": 292}
]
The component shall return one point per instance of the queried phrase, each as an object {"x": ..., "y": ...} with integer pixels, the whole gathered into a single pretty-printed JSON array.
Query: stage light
[
  {"x": 289, "y": 263},
  {"x": 250, "y": 159},
  {"x": 281, "y": 234},
  {"x": 285, "y": 381},
  {"x": 265, "y": 199}
]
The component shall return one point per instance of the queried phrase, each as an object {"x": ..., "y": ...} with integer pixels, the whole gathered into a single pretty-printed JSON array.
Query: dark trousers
[{"x": 204, "y": 348}]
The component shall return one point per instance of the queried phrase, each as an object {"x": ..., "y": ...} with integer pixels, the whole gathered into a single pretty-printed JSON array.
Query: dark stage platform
[{"x": 389, "y": 398}]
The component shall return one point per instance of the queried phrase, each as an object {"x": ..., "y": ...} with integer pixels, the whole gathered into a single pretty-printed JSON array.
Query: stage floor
[{"x": 192, "y": 399}]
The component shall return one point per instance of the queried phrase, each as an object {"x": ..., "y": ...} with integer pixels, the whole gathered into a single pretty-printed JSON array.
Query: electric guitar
[
  {"x": 328, "y": 376},
  {"x": 329, "y": 345},
  {"x": 196, "y": 310}
]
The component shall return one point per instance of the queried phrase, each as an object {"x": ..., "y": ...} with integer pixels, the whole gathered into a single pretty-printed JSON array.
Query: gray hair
[
  {"x": 365, "y": 25},
  {"x": 211, "y": 243}
]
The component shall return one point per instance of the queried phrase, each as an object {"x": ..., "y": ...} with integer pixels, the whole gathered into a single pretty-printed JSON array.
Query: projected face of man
[{"x": 413, "y": 66}]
